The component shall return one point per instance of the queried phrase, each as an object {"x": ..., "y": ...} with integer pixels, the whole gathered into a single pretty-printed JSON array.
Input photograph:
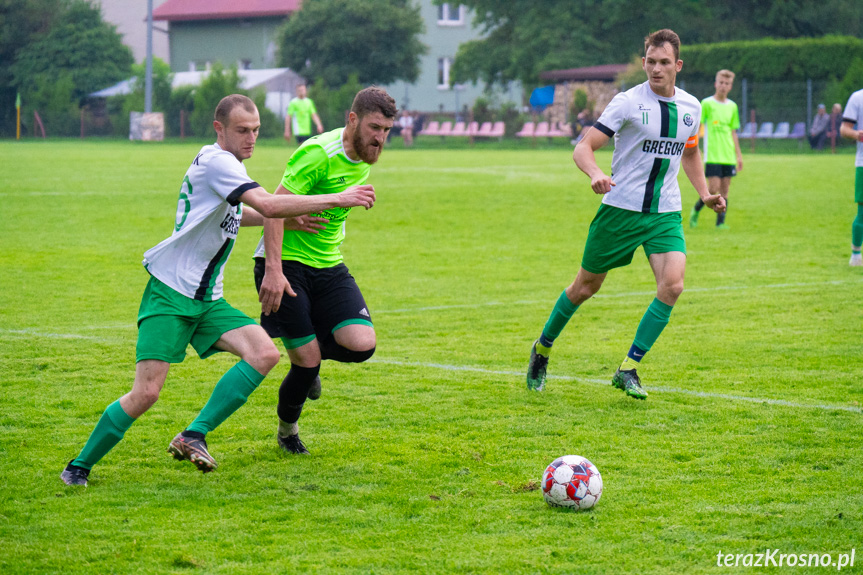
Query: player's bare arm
[
  {"x": 287, "y": 205},
  {"x": 306, "y": 223},
  {"x": 585, "y": 158},
  {"x": 846, "y": 130},
  {"x": 691, "y": 163}
]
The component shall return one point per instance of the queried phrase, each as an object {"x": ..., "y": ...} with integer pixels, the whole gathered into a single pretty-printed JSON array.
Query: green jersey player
[
  {"x": 852, "y": 128},
  {"x": 301, "y": 112},
  {"x": 183, "y": 302},
  {"x": 323, "y": 315},
  {"x": 655, "y": 131},
  {"x": 722, "y": 156}
]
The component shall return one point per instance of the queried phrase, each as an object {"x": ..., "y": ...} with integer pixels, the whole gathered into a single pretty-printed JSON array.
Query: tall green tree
[
  {"x": 524, "y": 38},
  {"x": 65, "y": 51},
  {"x": 20, "y": 23},
  {"x": 377, "y": 40}
]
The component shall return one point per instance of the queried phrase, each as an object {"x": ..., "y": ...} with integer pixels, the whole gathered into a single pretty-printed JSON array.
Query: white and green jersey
[
  {"x": 320, "y": 166},
  {"x": 854, "y": 113},
  {"x": 650, "y": 134},
  {"x": 192, "y": 260}
]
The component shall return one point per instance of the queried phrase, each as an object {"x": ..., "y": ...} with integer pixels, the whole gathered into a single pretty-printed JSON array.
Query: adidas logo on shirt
[{"x": 364, "y": 312}]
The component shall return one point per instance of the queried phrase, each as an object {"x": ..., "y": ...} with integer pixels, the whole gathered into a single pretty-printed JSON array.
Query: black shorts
[
  {"x": 327, "y": 299},
  {"x": 720, "y": 170},
  {"x": 301, "y": 139}
]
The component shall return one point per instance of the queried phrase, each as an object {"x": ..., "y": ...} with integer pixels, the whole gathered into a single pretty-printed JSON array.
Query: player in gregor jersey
[
  {"x": 852, "y": 128},
  {"x": 722, "y": 155},
  {"x": 323, "y": 315},
  {"x": 655, "y": 127},
  {"x": 183, "y": 302}
]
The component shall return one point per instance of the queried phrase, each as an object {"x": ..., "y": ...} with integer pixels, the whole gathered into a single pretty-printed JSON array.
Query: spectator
[
  {"x": 406, "y": 122},
  {"x": 834, "y": 125},
  {"x": 818, "y": 131}
]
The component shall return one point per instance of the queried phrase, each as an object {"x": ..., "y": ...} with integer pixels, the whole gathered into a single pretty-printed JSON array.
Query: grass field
[{"x": 426, "y": 458}]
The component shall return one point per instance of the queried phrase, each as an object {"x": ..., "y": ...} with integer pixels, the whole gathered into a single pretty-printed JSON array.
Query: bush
[
  {"x": 333, "y": 105},
  {"x": 773, "y": 60}
]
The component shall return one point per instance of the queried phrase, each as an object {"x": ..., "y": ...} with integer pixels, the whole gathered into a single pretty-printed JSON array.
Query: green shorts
[
  {"x": 168, "y": 321},
  {"x": 858, "y": 185},
  {"x": 616, "y": 233}
]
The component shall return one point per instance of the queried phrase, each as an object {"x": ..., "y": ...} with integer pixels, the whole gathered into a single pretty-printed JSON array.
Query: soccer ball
[{"x": 572, "y": 481}]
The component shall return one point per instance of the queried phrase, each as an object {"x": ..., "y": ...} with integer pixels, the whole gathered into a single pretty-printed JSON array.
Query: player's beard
[{"x": 369, "y": 152}]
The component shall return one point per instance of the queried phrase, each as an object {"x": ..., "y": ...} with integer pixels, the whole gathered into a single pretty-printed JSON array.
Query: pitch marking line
[
  {"x": 621, "y": 295},
  {"x": 652, "y": 388}
]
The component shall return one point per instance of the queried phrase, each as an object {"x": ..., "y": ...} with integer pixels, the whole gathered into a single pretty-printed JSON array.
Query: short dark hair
[
  {"x": 374, "y": 99},
  {"x": 661, "y": 37},
  {"x": 227, "y": 105}
]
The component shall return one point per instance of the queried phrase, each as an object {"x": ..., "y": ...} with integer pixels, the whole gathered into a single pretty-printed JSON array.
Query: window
[
  {"x": 244, "y": 64},
  {"x": 443, "y": 67},
  {"x": 199, "y": 66},
  {"x": 450, "y": 14}
]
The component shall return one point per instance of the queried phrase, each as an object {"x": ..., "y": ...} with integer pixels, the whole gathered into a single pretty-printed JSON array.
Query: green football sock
[
  {"x": 228, "y": 396},
  {"x": 652, "y": 323},
  {"x": 563, "y": 310},
  {"x": 857, "y": 228},
  {"x": 107, "y": 433}
]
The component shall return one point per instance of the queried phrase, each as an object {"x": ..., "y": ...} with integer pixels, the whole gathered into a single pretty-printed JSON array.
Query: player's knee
[
  {"x": 268, "y": 358},
  {"x": 671, "y": 291},
  {"x": 146, "y": 398},
  {"x": 361, "y": 356}
]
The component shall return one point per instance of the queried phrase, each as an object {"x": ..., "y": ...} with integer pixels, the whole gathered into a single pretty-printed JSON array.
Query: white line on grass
[
  {"x": 624, "y": 294},
  {"x": 652, "y": 388},
  {"x": 446, "y": 367}
]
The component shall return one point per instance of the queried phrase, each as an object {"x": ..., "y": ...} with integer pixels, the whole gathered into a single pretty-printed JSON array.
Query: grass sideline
[{"x": 426, "y": 458}]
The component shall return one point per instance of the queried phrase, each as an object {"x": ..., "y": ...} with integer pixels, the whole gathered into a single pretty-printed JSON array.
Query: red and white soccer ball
[{"x": 572, "y": 481}]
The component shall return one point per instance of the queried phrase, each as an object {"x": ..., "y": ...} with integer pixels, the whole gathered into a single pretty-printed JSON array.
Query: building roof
[
  {"x": 605, "y": 73},
  {"x": 248, "y": 79},
  {"x": 179, "y": 10}
]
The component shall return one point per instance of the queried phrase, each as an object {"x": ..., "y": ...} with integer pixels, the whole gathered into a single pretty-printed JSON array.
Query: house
[
  {"x": 447, "y": 26},
  {"x": 203, "y": 32},
  {"x": 599, "y": 83},
  {"x": 279, "y": 84},
  {"x": 130, "y": 18}
]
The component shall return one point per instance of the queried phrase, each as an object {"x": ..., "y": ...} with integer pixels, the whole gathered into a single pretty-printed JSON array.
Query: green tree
[
  {"x": 523, "y": 38},
  {"x": 333, "y": 104},
  {"x": 375, "y": 39},
  {"x": 73, "y": 44},
  {"x": 79, "y": 43},
  {"x": 121, "y": 106},
  {"x": 20, "y": 23},
  {"x": 218, "y": 84}
]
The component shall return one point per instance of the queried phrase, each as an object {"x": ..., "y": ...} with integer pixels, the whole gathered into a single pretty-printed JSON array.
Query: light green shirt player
[
  {"x": 720, "y": 120},
  {"x": 320, "y": 166}
]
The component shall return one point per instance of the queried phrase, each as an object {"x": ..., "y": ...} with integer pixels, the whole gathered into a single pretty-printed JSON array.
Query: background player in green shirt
[
  {"x": 301, "y": 112},
  {"x": 308, "y": 297},
  {"x": 722, "y": 156}
]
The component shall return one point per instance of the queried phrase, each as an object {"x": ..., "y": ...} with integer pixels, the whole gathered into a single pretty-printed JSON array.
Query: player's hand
[
  {"x": 272, "y": 287},
  {"x": 739, "y": 165},
  {"x": 308, "y": 224},
  {"x": 716, "y": 203},
  {"x": 601, "y": 184},
  {"x": 357, "y": 196}
]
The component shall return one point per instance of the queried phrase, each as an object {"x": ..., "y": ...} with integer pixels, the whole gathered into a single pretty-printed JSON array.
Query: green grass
[{"x": 425, "y": 459}]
